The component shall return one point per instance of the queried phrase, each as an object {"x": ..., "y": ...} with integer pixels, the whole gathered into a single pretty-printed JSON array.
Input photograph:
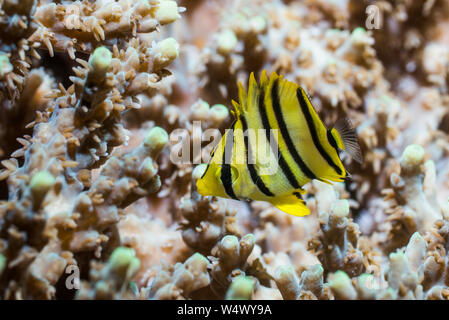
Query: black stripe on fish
[
  {"x": 226, "y": 174},
  {"x": 297, "y": 195},
  {"x": 257, "y": 180},
  {"x": 313, "y": 132},
  {"x": 284, "y": 131},
  {"x": 266, "y": 125}
]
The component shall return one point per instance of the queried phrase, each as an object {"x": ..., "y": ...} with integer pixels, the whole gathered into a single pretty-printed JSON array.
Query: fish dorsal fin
[
  {"x": 241, "y": 106},
  {"x": 349, "y": 139},
  {"x": 292, "y": 204}
]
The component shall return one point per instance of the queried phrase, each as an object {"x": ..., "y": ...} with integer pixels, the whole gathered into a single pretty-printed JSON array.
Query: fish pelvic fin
[{"x": 346, "y": 139}]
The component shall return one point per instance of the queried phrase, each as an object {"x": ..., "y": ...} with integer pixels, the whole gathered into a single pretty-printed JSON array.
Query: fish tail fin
[
  {"x": 346, "y": 139},
  {"x": 292, "y": 204}
]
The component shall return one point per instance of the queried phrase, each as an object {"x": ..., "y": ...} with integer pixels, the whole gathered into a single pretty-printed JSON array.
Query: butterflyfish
[{"x": 275, "y": 146}]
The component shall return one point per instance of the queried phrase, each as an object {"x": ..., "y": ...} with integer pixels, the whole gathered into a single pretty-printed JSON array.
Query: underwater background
[{"x": 92, "y": 205}]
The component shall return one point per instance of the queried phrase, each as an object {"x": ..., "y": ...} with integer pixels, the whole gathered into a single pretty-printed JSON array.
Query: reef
[{"x": 95, "y": 202}]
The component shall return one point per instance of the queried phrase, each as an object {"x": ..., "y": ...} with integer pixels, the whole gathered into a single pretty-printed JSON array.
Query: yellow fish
[{"x": 294, "y": 147}]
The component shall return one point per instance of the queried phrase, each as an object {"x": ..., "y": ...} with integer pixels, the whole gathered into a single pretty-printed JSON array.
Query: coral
[
  {"x": 236, "y": 48},
  {"x": 241, "y": 288},
  {"x": 80, "y": 25},
  {"x": 109, "y": 110},
  {"x": 434, "y": 264},
  {"x": 15, "y": 27},
  {"x": 230, "y": 261},
  {"x": 180, "y": 280},
  {"x": 137, "y": 231},
  {"x": 336, "y": 244},
  {"x": 309, "y": 287},
  {"x": 406, "y": 27},
  {"x": 412, "y": 208},
  {"x": 61, "y": 208},
  {"x": 208, "y": 220},
  {"x": 112, "y": 280}
]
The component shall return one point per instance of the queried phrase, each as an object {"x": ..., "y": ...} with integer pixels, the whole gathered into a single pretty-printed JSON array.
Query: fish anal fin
[{"x": 291, "y": 204}]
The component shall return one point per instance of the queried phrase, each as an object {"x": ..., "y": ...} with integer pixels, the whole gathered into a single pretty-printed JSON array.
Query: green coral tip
[
  {"x": 317, "y": 269},
  {"x": 358, "y": 31},
  {"x": 249, "y": 238}
]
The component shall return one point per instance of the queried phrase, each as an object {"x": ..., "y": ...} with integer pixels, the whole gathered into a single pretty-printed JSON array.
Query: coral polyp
[{"x": 109, "y": 111}]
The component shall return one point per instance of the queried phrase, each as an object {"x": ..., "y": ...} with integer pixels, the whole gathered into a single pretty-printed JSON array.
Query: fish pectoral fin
[{"x": 291, "y": 204}]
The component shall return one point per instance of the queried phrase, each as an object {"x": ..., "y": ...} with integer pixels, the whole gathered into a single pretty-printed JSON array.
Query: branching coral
[
  {"x": 89, "y": 176},
  {"x": 208, "y": 220},
  {"x": 15, "y": 26},
  {"x": 309, "y": 287},
  {"x": 231, "y": 260}
]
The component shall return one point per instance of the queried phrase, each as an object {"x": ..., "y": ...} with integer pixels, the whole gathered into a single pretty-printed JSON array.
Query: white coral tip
[{"x": 167, "y": 12}]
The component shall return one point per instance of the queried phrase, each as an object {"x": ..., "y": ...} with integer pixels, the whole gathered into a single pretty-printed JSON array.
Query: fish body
[{"x": 276, "y": 145}]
